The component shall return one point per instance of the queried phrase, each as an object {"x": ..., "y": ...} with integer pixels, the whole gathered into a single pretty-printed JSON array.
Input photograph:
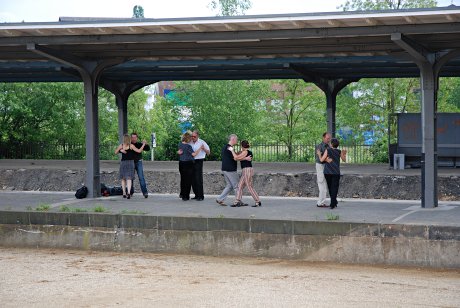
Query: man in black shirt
[
  {"x": 229, "y": 166},
  {"x": 138, "y": 165}
]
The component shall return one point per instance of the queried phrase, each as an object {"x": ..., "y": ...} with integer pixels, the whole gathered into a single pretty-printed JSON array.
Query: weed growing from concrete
[
  {"x": 221, "y": 216},
  {"x": 65, "y": 208},
  {"x": 99, "y": 209},
  {"x": 29, "y": 208},
  {"x": 133, "y": 212},
  {"x": 331, "y": 216},
  {"x": 77, "y": 210},
  {"x": 43, "y": 208}
]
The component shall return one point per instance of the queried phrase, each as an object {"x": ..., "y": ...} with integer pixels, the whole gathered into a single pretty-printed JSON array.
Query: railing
[{"x": 358, "y": 154}]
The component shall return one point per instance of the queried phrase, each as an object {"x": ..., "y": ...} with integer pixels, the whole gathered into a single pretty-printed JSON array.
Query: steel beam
[
  {"x": 122, "y": 91},
  {"x": 429, "y": 80},
  {"x": 90, "y": 72},
  {"x": 331, "y": 87},
  {"x": 412, "y": 29}
]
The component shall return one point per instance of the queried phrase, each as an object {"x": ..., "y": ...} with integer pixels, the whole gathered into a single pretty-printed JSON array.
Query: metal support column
[
  {"x": 122, "y": 91},
  {"x": 90, "y": 72},
  {"x": 331, "y": 87},
  {"x": 429, "y": 64}
]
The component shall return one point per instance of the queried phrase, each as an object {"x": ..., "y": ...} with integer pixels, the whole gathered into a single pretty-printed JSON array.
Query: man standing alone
[
  {"x": 197, "y": 182},
  {"x": 138, "y": 164},
  {"x": 321, "y": 180}
]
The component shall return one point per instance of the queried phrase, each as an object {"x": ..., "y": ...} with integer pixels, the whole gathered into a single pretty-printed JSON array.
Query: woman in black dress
[
  {"x": 127, "y": 151},
  {"x": 186, "y": 162}
]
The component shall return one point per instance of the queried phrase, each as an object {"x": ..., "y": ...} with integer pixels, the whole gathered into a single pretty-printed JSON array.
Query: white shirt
[{"x": 199, "y": 142}]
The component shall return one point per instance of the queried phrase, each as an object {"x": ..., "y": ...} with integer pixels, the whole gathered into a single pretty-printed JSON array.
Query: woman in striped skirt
[{"x": 246, "y": 175}]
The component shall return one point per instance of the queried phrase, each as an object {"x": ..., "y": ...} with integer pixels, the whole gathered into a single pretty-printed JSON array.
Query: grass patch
[
  {"x": 66, "y": 209},
  {"x": 77, "y": 210},
  {"x": 133, "y": 212},
  {"x": 29, "y": 208},
  {"x": 221, "y": 216},
  {"x": 100, "y": 209},
  {"x": 331, "y": 216},
  {"x": 43, "y": 208}
]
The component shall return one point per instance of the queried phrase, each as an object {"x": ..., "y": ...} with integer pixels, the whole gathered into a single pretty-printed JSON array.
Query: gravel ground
[
  {"x": 375, "y": 181},
  {"x": 57, "y": 278}
]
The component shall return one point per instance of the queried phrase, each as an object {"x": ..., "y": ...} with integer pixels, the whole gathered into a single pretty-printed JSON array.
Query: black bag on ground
[
  {"x": 104, "y": 190},
  {"x": 116, "y": 191},
  {"x": 82, "y": 192}
]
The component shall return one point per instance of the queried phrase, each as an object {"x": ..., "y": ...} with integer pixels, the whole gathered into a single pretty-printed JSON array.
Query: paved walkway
[{"x": 274, "y": 208}]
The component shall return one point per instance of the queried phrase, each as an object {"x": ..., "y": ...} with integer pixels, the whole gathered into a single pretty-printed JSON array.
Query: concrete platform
[
  {"x": 358, "y": 231},
  {"x": 274, "y": 208}
]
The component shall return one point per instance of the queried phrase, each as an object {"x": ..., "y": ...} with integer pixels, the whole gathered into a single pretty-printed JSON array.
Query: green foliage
[
  {"x": 220, "y": 108},
  {"x": 294, "y": 112},
  {"x": 41, "y": 111},
  {"x": 99, "y": 209},
  {"x": 332, "y": 216},
  {"x": 449, "y": 95},
  {"x": 133, "y": 212},
  {"x": 230, "y": 7},
  {"x": 43, "y": 208},
  {"x": 366, "y": 5},
  {"x": 138, "y": 11},
  {"x": 165, "y": 116}
]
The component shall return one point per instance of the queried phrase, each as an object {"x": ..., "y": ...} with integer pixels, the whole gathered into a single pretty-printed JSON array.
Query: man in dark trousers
[
  {"x": 197, "y": 183},
  {"x": 138, "y": 165}
]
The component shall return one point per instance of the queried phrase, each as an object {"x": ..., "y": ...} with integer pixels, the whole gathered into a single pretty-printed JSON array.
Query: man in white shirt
[{"x": 197, "y": 182}]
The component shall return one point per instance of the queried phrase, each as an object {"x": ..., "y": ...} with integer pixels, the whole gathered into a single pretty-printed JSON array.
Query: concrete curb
[{"x": 360, "y": 243}]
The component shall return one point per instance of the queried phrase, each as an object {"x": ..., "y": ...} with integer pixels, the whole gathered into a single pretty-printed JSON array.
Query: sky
[{"x": 51, "y": 10}]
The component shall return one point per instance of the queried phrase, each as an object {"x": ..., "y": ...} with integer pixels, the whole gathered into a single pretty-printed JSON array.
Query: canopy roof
[{"x": 349, "y": 45}]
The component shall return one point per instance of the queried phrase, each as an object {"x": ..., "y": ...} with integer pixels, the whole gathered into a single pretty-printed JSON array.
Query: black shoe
[
  {"x": 185, "y": 199},
  {"x": 194, "y": 198},
  {"x": 129, "y": 197},
  {"x": 146, "y": 196},
  {"x": 199, "y": 199},
  {"x": 258, "y": 203}
]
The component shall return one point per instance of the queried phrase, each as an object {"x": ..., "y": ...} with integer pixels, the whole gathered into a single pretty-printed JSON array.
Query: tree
[
  {"x": 165, "y": 116},
  {"x": 295, "y": 112},
  {"x": 366, "y": 5},
  {"x": 220, "y": 108},
  {"x": 230, "y": 7},
  {"x": 138, "y": 11}
]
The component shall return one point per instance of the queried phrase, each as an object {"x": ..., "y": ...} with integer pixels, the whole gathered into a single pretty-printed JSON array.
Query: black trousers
[
  {"x": 333, "y": 182},
  {"x": 197, "y": 183},
  {"x": 186, "y": 177}
]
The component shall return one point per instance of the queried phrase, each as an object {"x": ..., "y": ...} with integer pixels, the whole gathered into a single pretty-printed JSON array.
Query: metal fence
[{"x": 358, "y": 154}]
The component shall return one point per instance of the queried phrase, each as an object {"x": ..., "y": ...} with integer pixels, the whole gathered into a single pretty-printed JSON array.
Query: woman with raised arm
[
  {"x": 332, "y": 157},
  {"x": 127, "y": 151},
  {"x": 247, "y": 173}
]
